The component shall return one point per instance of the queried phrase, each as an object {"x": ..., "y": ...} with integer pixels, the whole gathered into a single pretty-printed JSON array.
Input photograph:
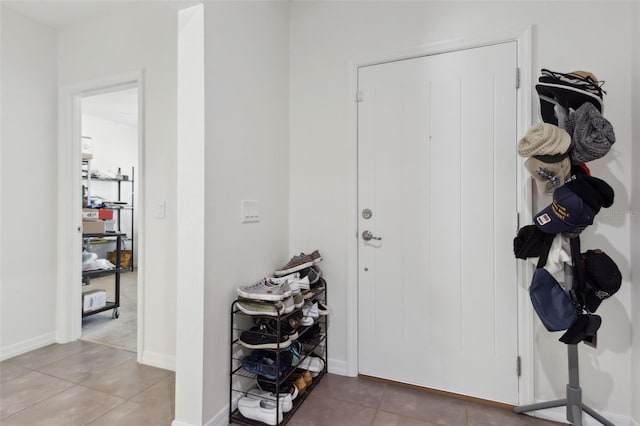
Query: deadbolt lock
[{"x": 367, "y": 213}]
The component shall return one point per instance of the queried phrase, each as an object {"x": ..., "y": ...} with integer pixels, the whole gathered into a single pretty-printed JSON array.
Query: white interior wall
[
  {"x": 246, "y": 157},
  {"x": 115, "y": 146},
  {"x": 117, "y": 44},
  {"x": 29, "y": 186},
  {"x": 635, "y": 215},
  {"x": 325, "y": 36}
]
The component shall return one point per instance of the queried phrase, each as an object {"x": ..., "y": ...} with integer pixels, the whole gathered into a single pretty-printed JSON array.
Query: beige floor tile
[
  {"x": 358, "y": 390},
  {"x": 10, "y": 369},
  {"x": 423, "y": 405},
  {"x": 75, "y": 406},
  {"x": 52, "y": 353},
  {"x": 388, "y": 419},
  {"x": 132, "y": 413},
  {"x": 318, "y": 410},
  {"x": 162, "y": 393},
  {"x": 126, "y": 379},
  {"x": 27, "y": 390},
  {"x": 82, "y": 366}
]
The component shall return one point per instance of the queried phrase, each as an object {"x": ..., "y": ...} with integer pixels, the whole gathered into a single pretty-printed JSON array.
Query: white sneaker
[
  {"x": 314, "y": 364},
  {"x": 290, "y": 280},
  {"x": 310, "y": 310},
  {"x": 307, "y": 321},
  {"x": 259, "y": 409},
  {"x": 285, "y": 398}
]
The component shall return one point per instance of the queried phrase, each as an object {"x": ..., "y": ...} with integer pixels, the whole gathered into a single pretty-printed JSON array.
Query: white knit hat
[{"x": 544, "y": 139}]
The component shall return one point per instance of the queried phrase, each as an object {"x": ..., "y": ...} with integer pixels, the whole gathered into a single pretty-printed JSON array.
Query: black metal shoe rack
[{"x": 240, "y": 380}]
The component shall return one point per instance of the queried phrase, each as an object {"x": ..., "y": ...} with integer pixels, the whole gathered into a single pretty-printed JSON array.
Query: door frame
[
  {"x": 524, "y": 117},
  {"x": 69, "y": 259}
]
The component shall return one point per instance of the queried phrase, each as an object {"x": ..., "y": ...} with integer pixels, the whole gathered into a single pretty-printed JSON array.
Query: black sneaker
[
  {"x": 285, "y": 387},
  {"x": 313, "y": 273},
  {"x": 312, "y": 336},
  {"x": 262, "y": 337},
  {"x": 272, "y": 326}
]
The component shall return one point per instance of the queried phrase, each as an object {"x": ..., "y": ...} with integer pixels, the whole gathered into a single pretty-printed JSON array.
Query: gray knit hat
[
  {"x": 591, "y": 134},
  {"x": 544, "y": 139}
]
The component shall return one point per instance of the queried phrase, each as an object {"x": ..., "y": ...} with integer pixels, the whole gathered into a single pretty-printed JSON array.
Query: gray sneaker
[
  {"x": 265, "y": 290},
  {"x": 252, "y": 307},
  {"x": 315, "y": 255}
]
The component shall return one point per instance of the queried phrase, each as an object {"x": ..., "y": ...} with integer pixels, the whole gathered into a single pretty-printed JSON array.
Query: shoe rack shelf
[{"x": 241, "y": 380}]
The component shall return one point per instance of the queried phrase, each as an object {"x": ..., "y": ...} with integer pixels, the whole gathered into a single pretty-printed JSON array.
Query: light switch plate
[{"x": 250, "y": 211}]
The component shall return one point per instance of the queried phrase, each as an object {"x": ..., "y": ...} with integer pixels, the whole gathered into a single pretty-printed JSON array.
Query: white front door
[{"x": 437, "y": 294}]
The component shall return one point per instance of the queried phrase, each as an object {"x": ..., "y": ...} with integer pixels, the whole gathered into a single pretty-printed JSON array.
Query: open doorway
[{"x": 110, "y": 137}]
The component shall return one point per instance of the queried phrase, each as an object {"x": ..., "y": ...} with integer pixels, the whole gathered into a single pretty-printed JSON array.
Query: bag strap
[
  {"x": 546, "y": 247},
  {"x": 578, "y": 272}
]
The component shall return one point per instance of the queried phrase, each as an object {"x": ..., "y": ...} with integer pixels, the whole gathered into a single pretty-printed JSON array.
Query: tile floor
[{"x": 83, "y": 383}]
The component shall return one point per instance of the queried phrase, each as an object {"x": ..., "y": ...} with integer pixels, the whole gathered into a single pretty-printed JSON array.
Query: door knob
[{"x": 367, "y": 235}]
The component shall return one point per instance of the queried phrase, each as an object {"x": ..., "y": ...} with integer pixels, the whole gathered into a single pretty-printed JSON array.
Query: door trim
[
  {"x": 69, "y": 260},
  {"x": 524, "y": 117}
]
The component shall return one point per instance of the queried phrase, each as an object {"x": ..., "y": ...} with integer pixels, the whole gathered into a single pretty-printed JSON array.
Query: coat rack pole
[{"x": 573, "y": 400}]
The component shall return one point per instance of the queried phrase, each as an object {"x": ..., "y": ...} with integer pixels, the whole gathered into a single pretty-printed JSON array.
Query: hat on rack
[
  {"x": 591, "y": 134},
  {"x": 544, "y": 139},
  {"x": 569, "y": 90},
  {"x": 529, "y": 242},
  {"x": 595, "y": 192},
  {"x": 575, "y": 205},
  {"x": 567, "y": 213},
  {"x": 584, "y": 327},
  {"x": 603, "y": 278},
  {"x": 548, "y": 176}
]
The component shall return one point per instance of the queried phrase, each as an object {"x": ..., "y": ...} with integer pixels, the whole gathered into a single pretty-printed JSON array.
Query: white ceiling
[{"x": 120, "y": 106}]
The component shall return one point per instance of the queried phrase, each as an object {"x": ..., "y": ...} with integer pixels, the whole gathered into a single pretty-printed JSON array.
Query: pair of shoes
[
  {"x": 295, "y": 285},
  {"x": 312, "y": 336},
  {"x": 323, "y": 309},
  {"x": 284, "y": 399},
  {"x": 266, "y": 364},
  {"x": 296, "y": 263},
  {"x": 260, "y": 409},
  {"x": 266, "y": 290},
  {"x": 312, "y": 273},
  {"x": 267, "y": 385},
  {"x": 302, "y": 374},
  {"x": 271, "y": 326},
  {"x": 258, "y": 307},
  {"x": 313, "y": 363},
  {"x": 299, "y": 383},
  {"x": 315, "y": 255},
  {"x": 263, "y": 337}
]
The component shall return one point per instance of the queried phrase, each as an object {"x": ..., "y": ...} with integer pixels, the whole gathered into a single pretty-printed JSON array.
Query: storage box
[
  {"x": 125, "y": 258},
  {"x": 94, "y": 226},
  {"x": 93, "y": 299},
  {"x": 87, "y": 148},
  {"x": 104, "y": 214}
]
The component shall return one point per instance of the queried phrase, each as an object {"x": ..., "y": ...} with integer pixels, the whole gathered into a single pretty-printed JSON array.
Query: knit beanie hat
[
  {"x": 595, "y": 192},
  {"x": 548, "y": 176},
  {"x": 529, "y": 242},
  {"x": 544, "y": 139},
  {"x": 591, "y": 134}
]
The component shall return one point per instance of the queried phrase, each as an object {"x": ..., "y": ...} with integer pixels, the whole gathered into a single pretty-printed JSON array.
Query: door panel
[{"x": 437, "y": 166}]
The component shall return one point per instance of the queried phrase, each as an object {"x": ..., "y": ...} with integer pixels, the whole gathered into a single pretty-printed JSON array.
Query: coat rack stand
[{"x": 573, "y": 399}]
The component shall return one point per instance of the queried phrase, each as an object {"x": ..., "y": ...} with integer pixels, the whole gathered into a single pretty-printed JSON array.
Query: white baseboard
[
  {"x": 634, "y": 423},
  {"x": 179, "y": 423},
  {"x": 220, "y": 419},
  {"x": 559, "y": 414},
  {"x": 159, "y": 360},
  {"x": 337, "y": 366},
  {"x": 27, "y": 345}
]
